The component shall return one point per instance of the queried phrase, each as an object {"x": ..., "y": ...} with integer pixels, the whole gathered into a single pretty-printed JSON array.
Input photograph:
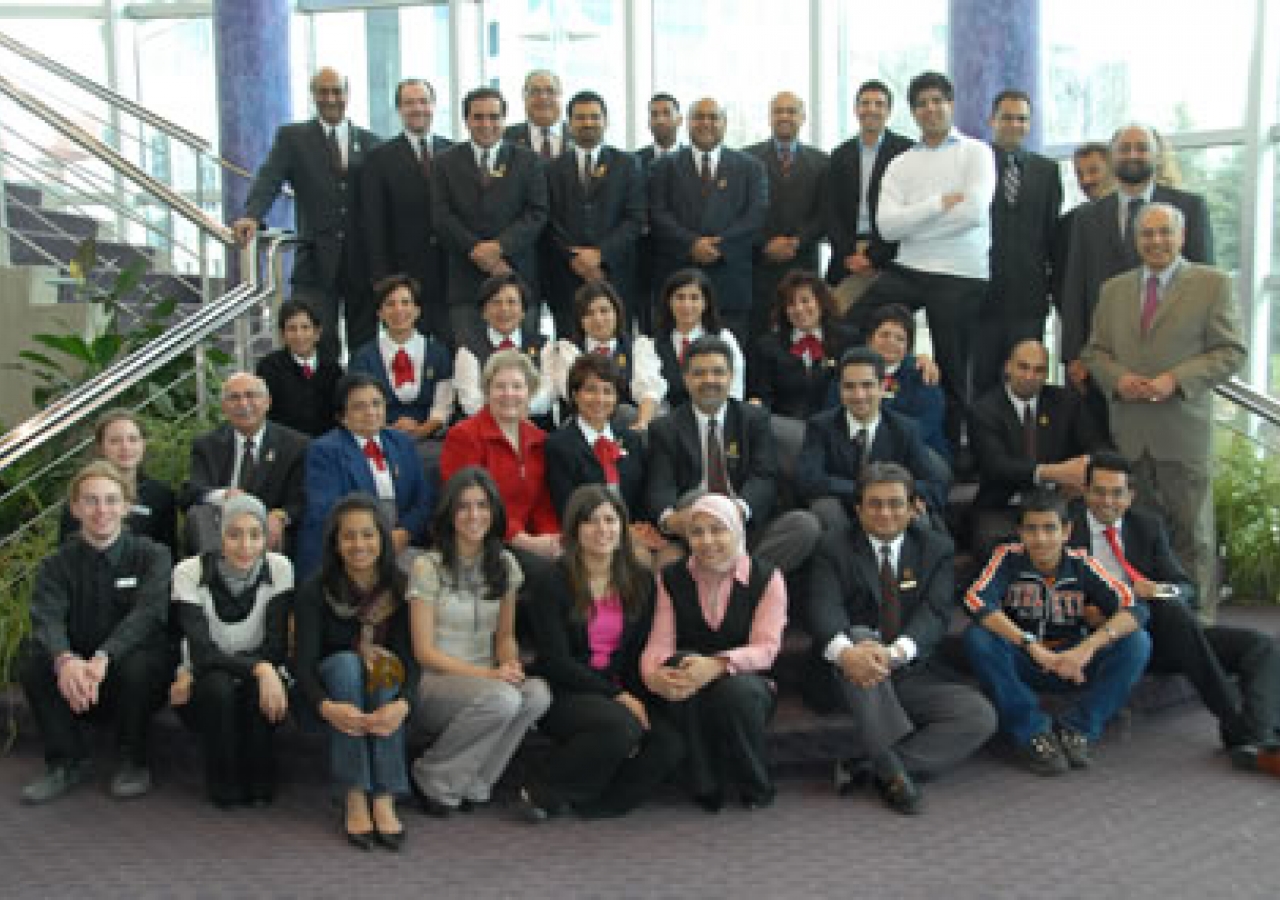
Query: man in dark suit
[
  {"x": 725, "y": 446},
  {"x": 795, "y": 220},
  {"x": 858, "y": 252},
  {"x": 839, "y": 443},
  {"x": 489, "y": 204},
  {"x": 396, "y": 205},
  {"x": 664, "y": 125},
  {"x": 320, "y": 159},
  {"x": 879, "y": 601},
  {"x": 247, "y": 454},
  {"x": 1134, "y": 546},
  {"x": 706, "y": 206},
  {"x": 1025, "y": 434},
  {"x": 1102, "y": 241},
  {"x": 542, "y": 131},
  {"x": 596, "y": 196},
  {"x": 1024, "y": 239}
]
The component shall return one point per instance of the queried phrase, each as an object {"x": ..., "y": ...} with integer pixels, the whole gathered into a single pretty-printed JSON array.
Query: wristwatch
[{"x": 1028, "y": 638}]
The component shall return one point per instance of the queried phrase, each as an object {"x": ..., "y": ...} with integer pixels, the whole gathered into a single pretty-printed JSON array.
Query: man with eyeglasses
[
  {"x": 542, "y": 131},
  {"x": 879, "y": 601},
  {"x": 246, "y": 454},
  {"x": 1164, "y": 336},
  {"x": 1134, "y": 546},
  {"x": 321, "y": 161}
]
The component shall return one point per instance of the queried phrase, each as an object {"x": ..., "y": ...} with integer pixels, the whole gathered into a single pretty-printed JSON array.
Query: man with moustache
[
  {"x": 542, "y": 131},
  {"x": 396, "y": 205},
  {"x": 1092, "y": 165}
]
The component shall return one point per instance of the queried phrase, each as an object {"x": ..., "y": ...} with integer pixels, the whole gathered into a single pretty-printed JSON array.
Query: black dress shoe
[
  {"x": 529, "y": 810},
  {"x": 362, "y": 840},
  {"x": 432, "y": 807},
  {"x": 758, "y": 800},
  {"x": 392, "y": 840},
  {"x": 900, "y": 794},
  {"x": 712, "y": 802}
]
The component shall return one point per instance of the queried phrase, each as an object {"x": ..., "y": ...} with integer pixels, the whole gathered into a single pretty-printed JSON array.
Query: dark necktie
[
  {"x": 585, "y": 176},
  {"x": 1029, "y": 431},
  {"x": 706, "y": 172},
  {"x": 890, "y": 607},
  {"x": 246, "y": 465},
  {"x": 424, "y": 157},
  {"x": 1150, "y": 302},
  {"x": 860, "y": 444},
  {"x": 373, "y": 453},
  {"x": 684, "y": 348},
  {"x": 784, "y": 159},
  {"x": 1113, "y": 540},
  {"x": 485, "y": 175},
  {"x": 607, "y": 454},
  {"x": 546, "y": 143},
  {"x": 307, "y": 370},
  {"x": 717, "y": 477},
  {"x": 1131, "y": 227},
  {"x": 1011, "y": 180},
  {"x": 335, "y": 154}
]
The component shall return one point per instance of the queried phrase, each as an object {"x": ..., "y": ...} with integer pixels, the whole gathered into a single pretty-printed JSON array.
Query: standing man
[
  {"x": 1102, "y": 237},
  {"x": 795, "y": 220},
  {"x": 707, "y": 204},
  {"x": 1024, "y": 239},
  {"x": 396, "y": 205},
  {"x": 489, "y": 204},
  {"x": 879, "y": 601},
  {"x": 320, "y": 159},
  {"x": 1092, "y": 165},
  {"x": 935, "y": 201},
  {"x": 596, "y": 196},
  {"x": 664, "y": 124},
  {"x": 858, "y": 251},
  {"x": 1164, "y": 336},
  {"x": 542, "y": 131}
]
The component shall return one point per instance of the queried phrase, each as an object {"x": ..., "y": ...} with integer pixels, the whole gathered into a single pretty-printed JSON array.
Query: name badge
[
  {"x": 139, "y": 510},
  {"x": 129, "y": 581},
  {"x": 907, "y": 585}
]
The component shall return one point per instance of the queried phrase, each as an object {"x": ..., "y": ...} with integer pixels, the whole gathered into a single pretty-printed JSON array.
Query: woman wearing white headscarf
[{"x": 717, "y": 626}]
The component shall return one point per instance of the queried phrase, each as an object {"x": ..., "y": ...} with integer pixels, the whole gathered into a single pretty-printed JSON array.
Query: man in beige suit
[{"x": 1163, "y": 336}]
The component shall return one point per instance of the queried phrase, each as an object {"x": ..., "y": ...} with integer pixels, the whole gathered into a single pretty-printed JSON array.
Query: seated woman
[
  {"x": 591, "y": 615},
  {"x": 503, "y": 301},
  {"x": 233, "y": 607},
  {"x": 601, "y": 329},
  {"x": 502, "y": 441},
  {"x": 300, "y": 381},
  {"x": 356, "y": 668},
  {"x": 911, "y": 382},
  {"x": 363, "y": 455},
  {"x": 717, "y": 626},
  {"x": 473, "y": 692},
  {"x": 118, "y": 438},
  {"x": 686, "y": 312},
  {"x": 414, "y": 369}
]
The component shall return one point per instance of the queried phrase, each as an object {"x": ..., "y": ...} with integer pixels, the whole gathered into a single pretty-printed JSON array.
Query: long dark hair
[
  {"x": 582, "y": 299},
  {"x": 446, "y": 535},
  {"x": 710, "y": 308},
  {"x": 333, "y": 574},
  {"x": 626, "y": 575}
]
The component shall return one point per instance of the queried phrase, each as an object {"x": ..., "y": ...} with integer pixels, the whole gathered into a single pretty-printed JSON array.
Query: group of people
[{"x": 477, "y": 529}]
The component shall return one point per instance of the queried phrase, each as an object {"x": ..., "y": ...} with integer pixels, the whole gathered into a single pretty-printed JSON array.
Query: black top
[
  {"x": 692, "y": 633},
  {"x": 782, "y": 381},
  {"x": 303, "y": 404},
  {"x": 571, "y": 463},
  {"x": 154, "y": 515}
]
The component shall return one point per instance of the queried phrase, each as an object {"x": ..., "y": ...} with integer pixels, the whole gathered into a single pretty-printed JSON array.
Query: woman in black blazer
[
  {"x": 301, "y": 382},
  {"x": 592, "y": 612}
]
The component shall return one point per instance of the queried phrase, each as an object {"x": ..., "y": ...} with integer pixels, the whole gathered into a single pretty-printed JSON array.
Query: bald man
[
  {"x": 320, "y": 159},
  {"x": 795, "y": 221}
]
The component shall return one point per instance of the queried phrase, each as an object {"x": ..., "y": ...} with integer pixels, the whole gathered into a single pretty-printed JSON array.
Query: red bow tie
[
  {"x": 401, "y": 369},
  {"x": 603, "y": 350},
  {"x": 373, "y": 453},
  {"x": 808, "y": 344},
  {"x": 608, "y": 453},
  {"x": 507, "y": 344}
]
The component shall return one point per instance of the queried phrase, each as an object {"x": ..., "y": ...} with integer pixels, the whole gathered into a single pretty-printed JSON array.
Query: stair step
[
  {"x": 22, "y": 192},
  {"x": 63, "y": 248},
  {"x": 33, "y": 220}
]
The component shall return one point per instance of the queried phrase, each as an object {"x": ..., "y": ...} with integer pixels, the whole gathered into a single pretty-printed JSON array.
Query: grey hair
[
  {"x": 543, "y": 72},
  {"x": 1151, "y": 133},
  {"x": 1175, "y": 214},
  {"x": 258, "y": 384},
  {"x": 509, "y": 359}
]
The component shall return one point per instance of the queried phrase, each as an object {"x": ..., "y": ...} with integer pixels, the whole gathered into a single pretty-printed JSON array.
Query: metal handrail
[{"x": 1246, "y": 396}]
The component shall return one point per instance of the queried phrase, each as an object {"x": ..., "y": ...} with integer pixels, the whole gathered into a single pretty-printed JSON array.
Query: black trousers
[
  {"x": 604, "y": 762},
  {"x": 723, "y": 726},
  {"x": 952, "y": 306},
  {"x": 239, "y": 762},
  {"x": 136, "y": 686},
  {"x": 1248, "y": 708}
]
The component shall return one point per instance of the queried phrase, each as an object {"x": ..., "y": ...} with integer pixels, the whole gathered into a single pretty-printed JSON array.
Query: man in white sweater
[{"x": 935, "y": 202}]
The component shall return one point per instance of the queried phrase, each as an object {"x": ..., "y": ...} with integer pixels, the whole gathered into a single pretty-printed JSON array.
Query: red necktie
[
  {"x": 1113, "y": 539},
  {"x": 808, "y": 344},
  {"x": 1029, "y": 431},
  {"x": 684, "y": 348},
  {"x": 307, "y": 371},
  {"x": 373, "y": 453},
  {"x": 507, "y": 344},
  {"x": 401, "y": 369},
  {"x": 603, "y": 350},
  {"x": 608, "y": 453},
  {"x": 1150, "y": 303},
  {"x": 784, "y": 160},
  {"x": 890, "y": 607},
  {"x": 717, "y": 476}
]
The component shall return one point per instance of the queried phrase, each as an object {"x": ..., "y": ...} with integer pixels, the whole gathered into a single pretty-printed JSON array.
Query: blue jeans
[
  {"x": 374, "y": 764},
  {"x": 1011, "y": 680}
]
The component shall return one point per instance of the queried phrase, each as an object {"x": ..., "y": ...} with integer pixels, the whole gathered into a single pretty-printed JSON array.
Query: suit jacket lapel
[
  {"x": 687, "y": 429},
  {"x": 865, "y": 559},
  {"x": 359, "y": 464},
  {"x": 1171, "y": 296}
]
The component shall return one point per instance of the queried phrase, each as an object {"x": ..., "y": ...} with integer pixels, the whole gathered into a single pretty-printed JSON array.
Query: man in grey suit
[
  {"x": 706, "y": 206},
  {"x": 542, "y": 131},
  {"x": 795, "y": 221},
  {"x": 489, "y": 204},
  {"x": 1024, "y": 240},
  {"x": 1164, "y": 335},
  {"x": 320, "y": 159}
]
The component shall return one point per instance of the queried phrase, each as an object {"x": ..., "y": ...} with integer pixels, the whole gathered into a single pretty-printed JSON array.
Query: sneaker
[
  {"x": 1043, "y": 755},
  {"x": 56, "y": 781},
  {"x": 1075, "y": 747},
  {"x": 131, "y": 780}
]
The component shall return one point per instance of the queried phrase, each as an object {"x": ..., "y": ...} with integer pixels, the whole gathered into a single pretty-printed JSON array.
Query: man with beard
[{"x": 1102, "y": 239}]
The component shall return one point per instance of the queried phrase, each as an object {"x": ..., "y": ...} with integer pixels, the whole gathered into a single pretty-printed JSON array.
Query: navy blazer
[
  {"x": 830, "y": 463},
  {"x": 922, "y": 403},
  {"x": 733, "y": 209},
  {"x": 437, "y": 365},
  {"x": 571, "y": 463},
  {"x": 336, "y": 466}
]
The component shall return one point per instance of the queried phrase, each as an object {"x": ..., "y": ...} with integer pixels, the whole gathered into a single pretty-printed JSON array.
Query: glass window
[{"x": 1216, "y": 173}]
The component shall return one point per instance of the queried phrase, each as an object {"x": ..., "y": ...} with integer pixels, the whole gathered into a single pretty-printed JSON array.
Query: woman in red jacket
[{"x": 501, "y": 439}]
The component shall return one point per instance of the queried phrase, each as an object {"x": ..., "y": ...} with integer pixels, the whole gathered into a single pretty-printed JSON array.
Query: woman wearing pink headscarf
[{"x": 717, "y": 626}]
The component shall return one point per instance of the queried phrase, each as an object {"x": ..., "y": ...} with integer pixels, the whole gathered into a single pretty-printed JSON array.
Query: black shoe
[
  {"x": 851, "y": 775},
  {"x": 130, "y": 781},
  {"x": 1075, "y": 747},
  {"x": 712, "y": 802},
  {"x": 900, "y": 793},
  {"x": 1043, "y": 755},
  {"x": 528, "y": 810},
  {"x": 432, "y": 807},
  {"x": 758, "y": 800},
  {"x": 361, "y": 840},
  {"x": 466, "y": 806},
  {"x": 392, "y": 840},
  {"x": 55, "y": 782}
]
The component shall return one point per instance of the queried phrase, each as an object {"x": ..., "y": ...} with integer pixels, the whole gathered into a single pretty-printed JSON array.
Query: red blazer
[{"x": 521, "y": 480}]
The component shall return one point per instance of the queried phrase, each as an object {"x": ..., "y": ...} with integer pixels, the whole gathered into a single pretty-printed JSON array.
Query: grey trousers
[
  {"x": 480, "y": 723},
  {"x": 788, "y": 541},
  {"x": 929, "y": 722},
  {"x": 1182, "y": 493}
]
